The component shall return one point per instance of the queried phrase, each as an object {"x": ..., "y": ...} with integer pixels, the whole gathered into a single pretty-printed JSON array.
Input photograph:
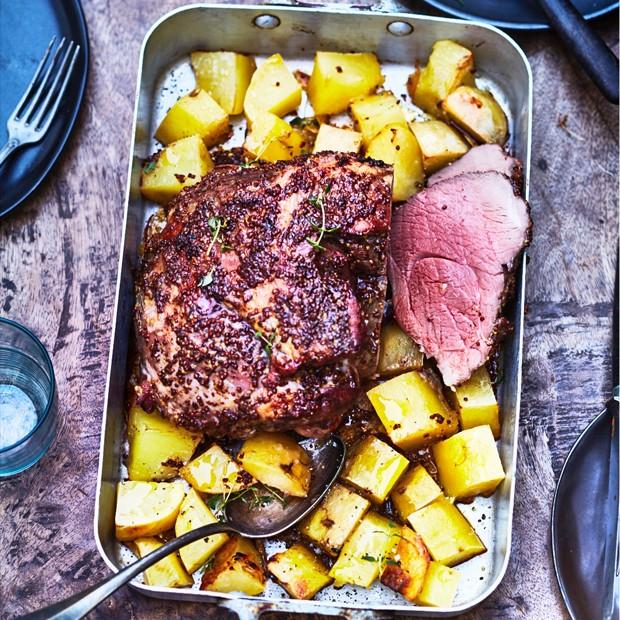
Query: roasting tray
[{"x": 398, "y": 39}]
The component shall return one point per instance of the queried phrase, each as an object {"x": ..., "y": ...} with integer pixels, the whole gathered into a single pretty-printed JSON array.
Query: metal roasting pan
[{"x": 398, "y": 39}]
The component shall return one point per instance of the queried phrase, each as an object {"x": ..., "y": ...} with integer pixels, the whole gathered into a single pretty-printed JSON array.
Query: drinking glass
[{"x": 27, "y": 388}]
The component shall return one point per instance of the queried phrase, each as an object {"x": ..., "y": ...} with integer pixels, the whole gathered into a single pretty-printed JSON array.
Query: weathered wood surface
[{"x": 58, "y": 260}]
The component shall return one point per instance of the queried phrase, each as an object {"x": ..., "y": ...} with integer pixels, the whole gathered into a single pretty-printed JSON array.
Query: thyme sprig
[
  {"x": 249, "y": 164},
  {"x": 216, "y": 224},
  {"x": 255, "y": 500},
  {"x": 319, "y": 202},
  {"x": 266, "y": 341},
  {"x": 254, "y": 496},
  {"x": 256, "y": 160},
  {"x": 217, "y": 503}
]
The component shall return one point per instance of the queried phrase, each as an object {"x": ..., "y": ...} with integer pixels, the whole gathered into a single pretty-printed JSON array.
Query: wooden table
[{"x": 58, "y": 261}]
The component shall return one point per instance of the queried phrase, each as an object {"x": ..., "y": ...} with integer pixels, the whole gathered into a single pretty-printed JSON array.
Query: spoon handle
[
  {"x": 78, "y": 605},
  {"x": 590, "y": 50}
]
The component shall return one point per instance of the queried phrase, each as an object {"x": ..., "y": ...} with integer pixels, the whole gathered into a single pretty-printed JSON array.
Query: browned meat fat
[
  {"x": 260, "y": 295},
  {"x": 453, "y": 247},
  {"x": 483, "y": 158}
]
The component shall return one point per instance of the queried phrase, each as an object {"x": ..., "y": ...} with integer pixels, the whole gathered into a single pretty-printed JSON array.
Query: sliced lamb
[
  {"x": 484, "y": 158},
  {"x": 453, "y": 247}
]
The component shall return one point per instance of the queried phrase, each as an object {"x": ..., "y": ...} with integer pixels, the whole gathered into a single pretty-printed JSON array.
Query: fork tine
[
  {"x": 30, "y": 86},
  {"x": 31, "y": 107},
  {"x": 61, "y": 91},
  {"x": 38, "y": 117}
]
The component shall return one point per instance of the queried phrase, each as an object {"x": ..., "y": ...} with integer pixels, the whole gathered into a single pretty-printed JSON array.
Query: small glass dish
[{"x": 28, "y": 419}]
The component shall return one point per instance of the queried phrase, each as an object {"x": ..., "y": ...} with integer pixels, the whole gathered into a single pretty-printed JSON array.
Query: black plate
[
  {"x": 517, "y": 14},
  {"x": 582, "y": 513},
  {"x": 26, "y": 29}
]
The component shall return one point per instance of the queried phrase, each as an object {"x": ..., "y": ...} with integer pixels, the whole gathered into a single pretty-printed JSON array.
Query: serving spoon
[{"x": 267, "y": 520}]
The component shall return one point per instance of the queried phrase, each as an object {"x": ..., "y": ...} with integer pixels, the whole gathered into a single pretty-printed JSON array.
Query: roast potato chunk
[
  {"x": 396, "y": 145},
  {"x": 440, "y": 586},
  {"x": 413, "y": 411},
  {"x": 447, "y": 534},
  {"x": 406, "y": 565},
  {"x": 371, "y": 114},
  {"x": 336, "y": 139},
  {"x": 335, "y": 518},
  {"x": 469, "y": 463},
  {"x": 225, "y": 76},
  {"x": 236, "y": 567},
  {"x": 195, "y": 513},
  {"x": 449, "y": 66},
  {"x": 374, "y": 468},
  {"x": 180, "y": 164},
  {"x": 167, "y": 573},
  {"x": 146, "y": 508},
  {"x": 215, "y": 472},
  {"x": 476, "y": 402},
  {"x": 273, "y": 88},
  {"x": 398, "y": 353},
  {"x": 277, "y": 461},
  {"x": 197, "y": 113},
  {"x": 478, "y": 113},
  {"x": 362, "y": 556},
  {"x": 157, "y": 447},
  {"x": 413, "y": 491},
  {"x": 299, "y": 572},
  {"x": 439, "y": 143},
  {"x": 337, "y": 78},
  {"x": 272, "y": 139}
]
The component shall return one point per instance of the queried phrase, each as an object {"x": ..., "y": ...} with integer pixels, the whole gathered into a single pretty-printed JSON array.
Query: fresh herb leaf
[
  {"x": 249, "y": 164},
  {"x": 208, "y": 565},
  {"x": 207, "y": 279},
  {"x": 255, "y": 500},
  {"x": 266, "y": 341},
  {"x": 391, "y": 562},
  {"x": 252, "y": 496},
  {"x": 369, "y": 558},
  {"x": 319, "y": 201},
  {"x": 217, "y": 504},
  {"x": 216, "y": 224},
  {"x": 281, "y": 498},
  {"x": 150, "y": 167},
  {"x": 301, "y": 123}
]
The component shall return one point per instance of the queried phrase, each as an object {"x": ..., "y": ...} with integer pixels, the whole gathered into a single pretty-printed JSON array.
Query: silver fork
[{"x": 37, "y": 108}]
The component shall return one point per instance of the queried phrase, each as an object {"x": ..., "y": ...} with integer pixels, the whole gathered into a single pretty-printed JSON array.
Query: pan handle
[
  {"x": 588, "y": 48},
  {"x": 248, "y": 609},
  {"x": 78, "y": 605}
]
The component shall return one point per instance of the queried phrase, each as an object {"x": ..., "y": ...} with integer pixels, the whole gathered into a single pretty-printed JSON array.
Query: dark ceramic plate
[
  {"x": 582, "y": 513},
  {"x": 518, "y": 14},
  {"x": 26, "y": 27}
]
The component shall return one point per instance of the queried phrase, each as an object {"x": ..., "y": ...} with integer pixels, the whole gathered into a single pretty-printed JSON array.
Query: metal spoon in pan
[{"x": 327, "y": 456}]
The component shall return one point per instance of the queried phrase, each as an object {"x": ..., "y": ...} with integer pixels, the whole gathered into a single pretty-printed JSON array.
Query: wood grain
[{"x": 58, "y": 262}]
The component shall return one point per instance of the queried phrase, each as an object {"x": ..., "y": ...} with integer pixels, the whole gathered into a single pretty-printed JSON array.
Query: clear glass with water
[{"x": 27, "y": 399}]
